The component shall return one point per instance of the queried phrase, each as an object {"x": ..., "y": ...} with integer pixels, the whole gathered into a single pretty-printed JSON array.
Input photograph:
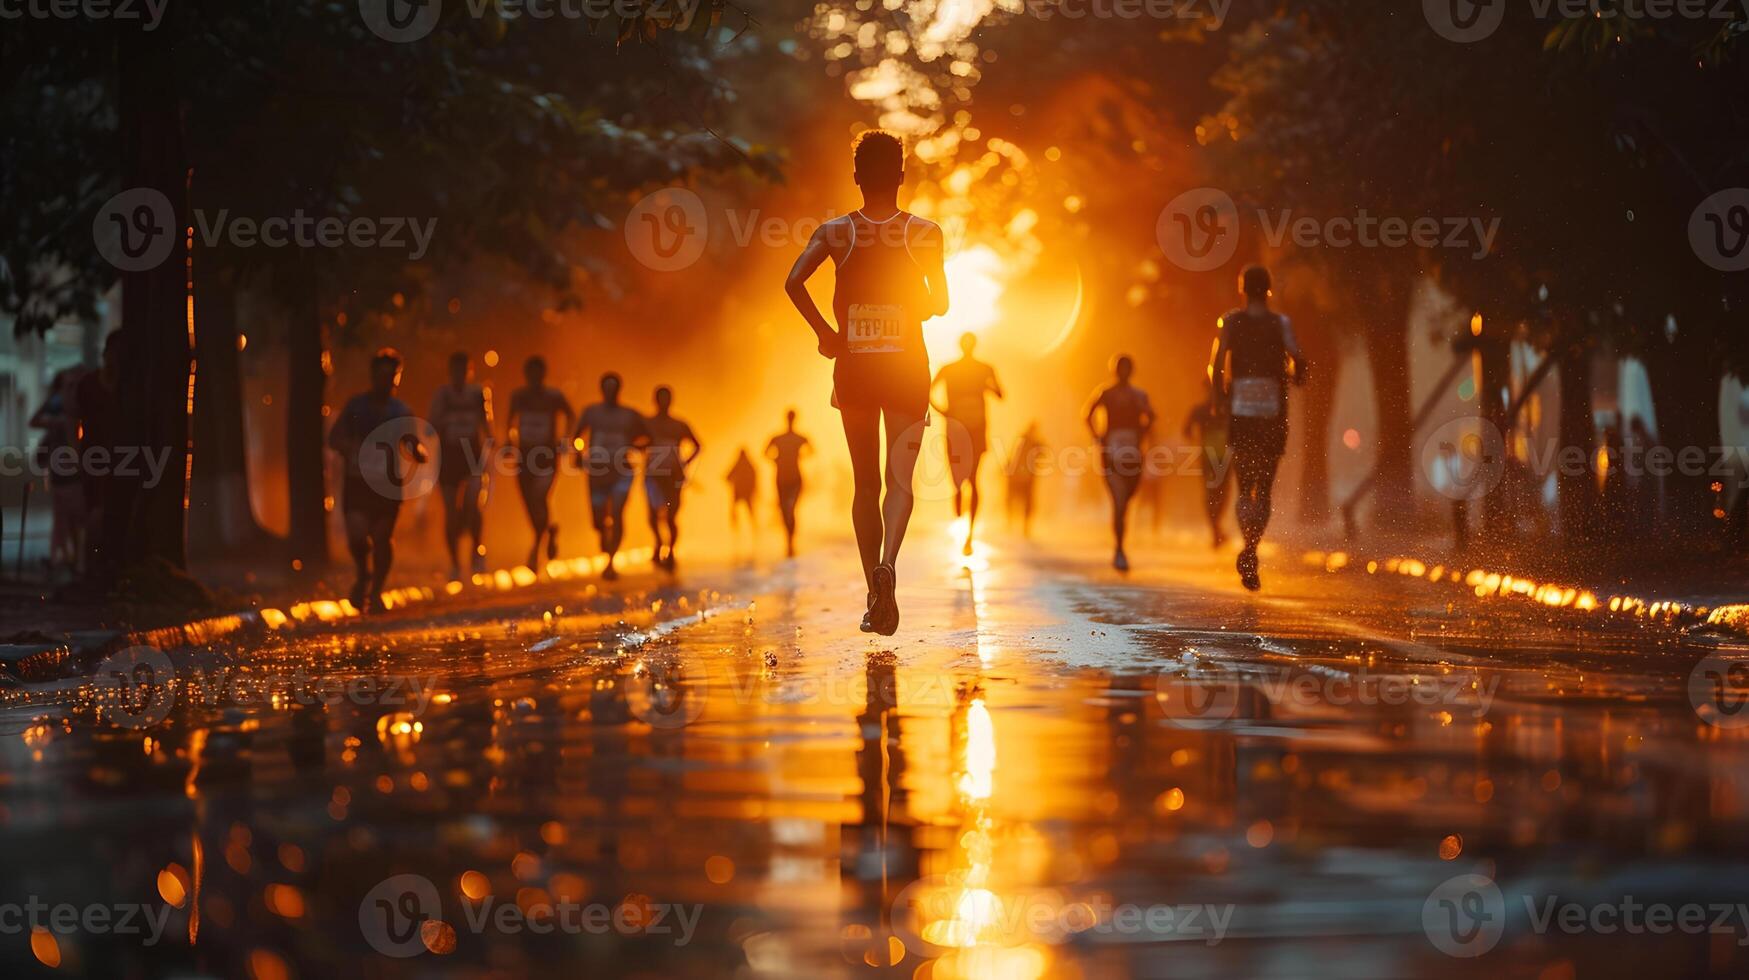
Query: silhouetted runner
[
  {"x": 614, "y": 433},
  {"x": 461, "y": 412},
  {"x": 1023, "y": 469},
  {"x": 890, "y": 278},
  {"x": 1255, "y": 355},
  {"x": 665, "y": 471},
  {"x": 786, "y": 450},
  {"x": 1207, "y": 423},
  {"x": 743, "y": 482},
  {"x": 378, "y": 459},
  {"x": 535, "y": 434},
  {"x": 1128, "y": 418},
  {"x": 967, "y": 383}
]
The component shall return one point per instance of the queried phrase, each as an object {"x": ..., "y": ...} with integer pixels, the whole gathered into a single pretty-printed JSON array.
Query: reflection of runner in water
[
  {"x": 665, "y": 472},
  {"x": 967, "y": 382},
  {"x": 1128, "y": 418},
  {"x": 461, "y": 412},
  {"x": 614, "y": 433},
  {"x": 786, "y": 450},
  {"x": 743, "y": 485},
  {"x": 375, "y": 468},
  {"x": 1207, "y": 424},
  {"x": 1254, "y": 357},
  {"x": 1023, "y": 468},
  {"x": 535, "y": 431},
  {"x": 890, "y": 278}
]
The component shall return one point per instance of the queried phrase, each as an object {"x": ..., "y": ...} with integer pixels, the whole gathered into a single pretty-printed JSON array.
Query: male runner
[
  {"x": 461, "y": 413},
  {"x": 373, "y": 454},
  {"x": 1128, "y": 418},
  {"x": 535, "y": 431},
  {"x": 665, "y": 471},
  {"x": 615, "y": 432},
  {"x": 1255, "y": 355},
  {"x": 786, "y": 450},
  {"x": 743, "y": 484},
  {"x": 890, "y": 278},
  {"x": 1207, "y": 424},
  {"x": 1023, "y": 470},
  {"x": 967, "y": 383}
]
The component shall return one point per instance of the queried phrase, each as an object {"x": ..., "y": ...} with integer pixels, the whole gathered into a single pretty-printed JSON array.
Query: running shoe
[
  {"x": 886, "y": 608},
  {"x": 1247, "y": 565}
]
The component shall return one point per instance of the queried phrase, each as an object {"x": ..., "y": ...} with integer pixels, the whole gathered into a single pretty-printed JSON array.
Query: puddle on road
[{"x": 697, "y": 784}]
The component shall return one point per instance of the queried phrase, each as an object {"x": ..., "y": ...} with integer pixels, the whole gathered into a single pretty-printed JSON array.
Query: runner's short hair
[
  {"x": 459, "y": 357},
  {"x": 535, "y": 362},
  {"x": 385, "y": 355},
  {"x": 1256, "y": 281},
  {"x": 878, "y": 152}
]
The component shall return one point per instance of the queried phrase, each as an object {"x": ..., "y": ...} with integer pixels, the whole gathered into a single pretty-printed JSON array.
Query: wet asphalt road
[{"x": 1053, "y": 770}]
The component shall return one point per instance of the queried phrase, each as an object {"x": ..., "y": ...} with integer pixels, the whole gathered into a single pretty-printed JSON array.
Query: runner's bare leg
[
  {"x": 904, "y": 445},
  {"x": 862, "y": 436}
]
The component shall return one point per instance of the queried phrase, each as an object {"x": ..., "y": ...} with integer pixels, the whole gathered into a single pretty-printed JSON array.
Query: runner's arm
[
  {"x": 340, "y": 436},
  {"x": 1092, "y": 411},
  {"x": 933, "y": 385},
  {"x": 1292, "y": 343},
  {"x": 697, "y": 447},
  {"x": 1218, "y": 367},
  {"x": 931, "y": 256},
  {"x": 1148, "y": 417},
  {"x": 813, "y": 254},
  {"x": 993, "y": 385}
]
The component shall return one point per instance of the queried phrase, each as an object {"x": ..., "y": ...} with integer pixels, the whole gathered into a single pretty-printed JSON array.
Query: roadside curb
[{"x": 1690, "y": 617}]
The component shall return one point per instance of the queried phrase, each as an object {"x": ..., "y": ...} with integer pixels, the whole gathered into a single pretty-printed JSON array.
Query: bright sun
[{"x": 974, "y": 283}]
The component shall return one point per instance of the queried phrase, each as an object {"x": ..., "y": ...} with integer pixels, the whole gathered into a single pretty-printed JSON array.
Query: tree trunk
[
  {"x": 221, "y": 517},
  {"x": 154, "y": 386},
  {"x": 1493, "y": 398},
  {"x": 1319, "y": 403},
  {"x": 1686, "y": 402},
  {"x": 1576, "y": 485},
  {"x": 1387, "y": 348},
  {"x": 307, "y": 381}
]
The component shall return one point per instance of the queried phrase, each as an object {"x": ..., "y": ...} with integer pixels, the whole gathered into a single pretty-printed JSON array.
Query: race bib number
[
  {"x": 535, "y": 430},
  {"x": 876, "y": 329},
  {"x": 1256, "y": 398}
]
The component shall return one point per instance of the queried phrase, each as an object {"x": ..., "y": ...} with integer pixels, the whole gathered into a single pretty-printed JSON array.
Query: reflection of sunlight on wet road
[{"x": 1045, "y": 744}]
